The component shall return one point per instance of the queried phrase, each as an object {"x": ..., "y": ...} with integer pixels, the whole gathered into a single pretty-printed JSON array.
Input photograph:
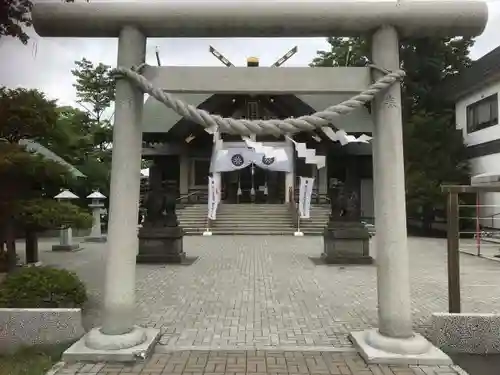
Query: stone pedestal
[
  {"x": 95, "y": 232},
  {"x": 66, "y": 241},
  {"x": 160, "y": 245},
  {"x": 346, "y": 243}
]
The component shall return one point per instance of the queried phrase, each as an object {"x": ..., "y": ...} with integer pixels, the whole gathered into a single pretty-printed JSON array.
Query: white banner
[
  {"x": 232, "y": 159},
  {"x": 305, "y": 195},
  {"x": 278, "y": 161},
  {"x": 213, "y": 198}
]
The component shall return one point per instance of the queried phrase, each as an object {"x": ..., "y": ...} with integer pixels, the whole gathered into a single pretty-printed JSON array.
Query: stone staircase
[{"x": 251, "y": 219}]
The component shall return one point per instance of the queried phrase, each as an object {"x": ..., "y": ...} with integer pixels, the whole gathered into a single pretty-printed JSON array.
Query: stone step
[
  {"x": 251, "y": 219},
  {"x": 266, "y": 220},
  {"x": 250, "y": 207},
  {"x": 239, "y": 214},
  {"x": 252, "y": 227},
  {"x": 251, "y": 232}
]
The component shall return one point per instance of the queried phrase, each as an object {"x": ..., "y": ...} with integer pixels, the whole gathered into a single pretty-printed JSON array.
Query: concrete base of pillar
[
  {"x": 345, "y": 260},
  {"x": 146, "y": 339},
  {"x": 161, "y": 245},
  {"x": 99, "y": 239},
  {"x": 378, "y": 349},
  {"x": 346, "y": 243},
  {"x": 73, "y": 247}
]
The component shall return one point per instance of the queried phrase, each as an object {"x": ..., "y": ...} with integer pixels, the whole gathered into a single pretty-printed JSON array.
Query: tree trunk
[
  {"x": 31, "y": 246},
  {"x": 427, "y": 219},
  {"x": 2, "y": 238},
  {"x": 10, "y": 240}
]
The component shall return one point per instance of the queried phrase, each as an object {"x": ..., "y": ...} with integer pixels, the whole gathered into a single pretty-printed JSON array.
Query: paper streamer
[
  {"x": 302, "y": 151},
  {"x": 344, "y": 138},
  {"x": 268, "y": 151},
  {"x": 309, "y": 154},
  {"x": 336, "y": 136}
]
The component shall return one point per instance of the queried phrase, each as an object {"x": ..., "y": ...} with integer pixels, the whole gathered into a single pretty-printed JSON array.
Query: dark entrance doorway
[{"x": 256, "y": 178}]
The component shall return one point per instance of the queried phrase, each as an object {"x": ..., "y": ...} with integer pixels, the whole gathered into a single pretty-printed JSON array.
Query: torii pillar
[{"x": 394, "y": 342}]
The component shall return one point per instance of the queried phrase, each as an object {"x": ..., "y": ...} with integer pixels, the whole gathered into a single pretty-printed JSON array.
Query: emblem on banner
[
  {"x": 237, "y": 160},
  {"x": 267, "y": 161}
]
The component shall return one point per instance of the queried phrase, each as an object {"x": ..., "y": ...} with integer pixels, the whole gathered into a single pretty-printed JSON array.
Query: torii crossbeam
[{"x": 259, "y": 18}]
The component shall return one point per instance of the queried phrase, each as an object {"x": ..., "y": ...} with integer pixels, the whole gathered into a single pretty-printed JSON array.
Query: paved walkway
[
  {"x": 247, "y": 293},
  {"x": 264, "y": 292},
  {"x": 255, "y": 363}
]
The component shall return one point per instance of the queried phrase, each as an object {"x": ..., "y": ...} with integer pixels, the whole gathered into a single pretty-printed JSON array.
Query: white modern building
[{"x": 476, "y": 93}]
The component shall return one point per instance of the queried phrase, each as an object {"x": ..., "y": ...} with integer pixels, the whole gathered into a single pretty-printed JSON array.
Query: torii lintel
[{"x": 258, "y": 18}]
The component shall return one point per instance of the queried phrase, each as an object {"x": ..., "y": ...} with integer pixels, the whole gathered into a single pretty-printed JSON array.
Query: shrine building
[{"x": 183, "y": 153}]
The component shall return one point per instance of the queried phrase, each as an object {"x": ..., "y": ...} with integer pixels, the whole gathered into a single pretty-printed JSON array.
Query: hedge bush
[{"x": 42, "y": 287}]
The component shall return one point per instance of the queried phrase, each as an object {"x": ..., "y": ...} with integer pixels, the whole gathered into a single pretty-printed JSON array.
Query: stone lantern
[
  {"x": 66, "y": 234},
  {"x": 96, "y": 206}
]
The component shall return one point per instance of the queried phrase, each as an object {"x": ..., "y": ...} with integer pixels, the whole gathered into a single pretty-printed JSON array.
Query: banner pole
[
  {"x": 211, "y": 202},
  {"x": 298, "y": 233}
]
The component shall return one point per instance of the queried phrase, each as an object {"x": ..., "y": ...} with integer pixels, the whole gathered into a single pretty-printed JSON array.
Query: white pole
[{"x": 298, "y": 233}]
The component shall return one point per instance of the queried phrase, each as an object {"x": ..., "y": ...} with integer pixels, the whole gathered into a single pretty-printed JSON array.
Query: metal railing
[
  {"x": 317, "y": 197},
  {"x": 493, "y": 218},
  {"x": 189, "y": 195},
  {"x": 476, "y": 230}
]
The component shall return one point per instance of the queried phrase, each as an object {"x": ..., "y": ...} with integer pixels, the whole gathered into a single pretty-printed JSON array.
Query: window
[{"x": 482, "y": 114}]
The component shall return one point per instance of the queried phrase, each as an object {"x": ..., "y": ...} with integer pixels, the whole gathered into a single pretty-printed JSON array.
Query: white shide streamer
[
  {"x": 267, "y": 151},
  {"x": 309, "y": 155},
  {"x": 344, "y": 138}
]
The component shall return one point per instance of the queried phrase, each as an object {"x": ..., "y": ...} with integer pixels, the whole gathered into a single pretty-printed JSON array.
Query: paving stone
[
  {"x": 263, "y": 292},
  {"x": 254, "y": 297},
  {"x": 272, "y": 363}
]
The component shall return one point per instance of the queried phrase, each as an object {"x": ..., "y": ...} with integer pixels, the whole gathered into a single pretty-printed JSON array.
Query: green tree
[
  {"x": 15, "y": 17},
  {"x": 84, "y": 144},
  {"x": 95, "y": 87},
  {"x": 95, "y": 90},
  {"x": 29, "y": 181},
  {"x": 427, "y": 61},
  {"x": 430, "y": 162},
  {"x": 434, "y": 149}
]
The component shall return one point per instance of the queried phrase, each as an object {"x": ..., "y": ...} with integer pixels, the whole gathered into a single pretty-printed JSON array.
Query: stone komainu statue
[
  {"x": 344, "y": 206},
  {"x": 160, "y": 209},
  {"x": 352, "y": 207}
]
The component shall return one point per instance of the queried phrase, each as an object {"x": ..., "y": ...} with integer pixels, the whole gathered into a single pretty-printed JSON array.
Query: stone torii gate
[{"x": 132, "y": 22}]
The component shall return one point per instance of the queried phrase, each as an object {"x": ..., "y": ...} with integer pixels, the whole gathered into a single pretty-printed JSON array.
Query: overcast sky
[{"x": 46, "y": 63}]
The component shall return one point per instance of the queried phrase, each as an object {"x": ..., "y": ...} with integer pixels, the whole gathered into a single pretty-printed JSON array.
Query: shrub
[
  {"x": 38, "y": 287},
  {"x": 49, "y": 214},
  {"x": 4, "y": 261}
]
